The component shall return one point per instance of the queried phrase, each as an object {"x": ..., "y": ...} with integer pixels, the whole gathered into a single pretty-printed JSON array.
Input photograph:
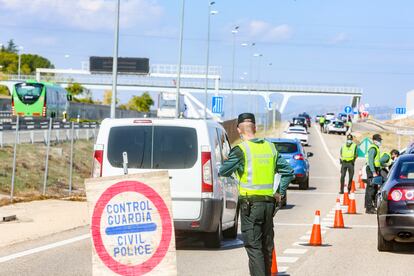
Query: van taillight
[
  {"x": 206, "y": 172},
  {"x": 399, "y": 194},
  {"x": 97, "y": 161}
]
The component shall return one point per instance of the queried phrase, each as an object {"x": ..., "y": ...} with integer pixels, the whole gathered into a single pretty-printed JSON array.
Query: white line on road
[
  {"x": 310, "y": 232},
  {"x": 282, "y": 268},
  {"x": 323, "y": 177},
  {"x": 286, "y": 259},
  {"x": 307, "y": 237},
  {"x": 334, "y": 161},
  {"x": 43, "y": 248},
  {"x": 295, "y": 251},
  {"x": 312, "y": 193}
]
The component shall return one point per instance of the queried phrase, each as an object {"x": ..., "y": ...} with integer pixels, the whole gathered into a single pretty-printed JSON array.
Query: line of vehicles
[
  {"x": 334, "y": 124},
  {"x": 203, "y": 203}
]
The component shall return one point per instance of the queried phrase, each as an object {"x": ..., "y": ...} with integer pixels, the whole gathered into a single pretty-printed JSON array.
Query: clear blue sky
[{"x": 366, "y": 43}]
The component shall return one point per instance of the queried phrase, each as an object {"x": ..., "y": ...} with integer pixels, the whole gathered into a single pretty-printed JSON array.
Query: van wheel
[
  {"x": 231, "y": 233},
  {"x": 213, "y": 240},
  {"x": 383, "y": 244}
]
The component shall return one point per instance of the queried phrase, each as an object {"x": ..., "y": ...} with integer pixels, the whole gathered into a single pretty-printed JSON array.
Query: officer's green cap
[
  {"x": 246, "y": 117},
  {"x": 377, "y": 137}
]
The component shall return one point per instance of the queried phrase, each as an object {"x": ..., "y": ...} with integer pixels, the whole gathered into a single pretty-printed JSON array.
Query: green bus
[{"x": 40, "y": 99}]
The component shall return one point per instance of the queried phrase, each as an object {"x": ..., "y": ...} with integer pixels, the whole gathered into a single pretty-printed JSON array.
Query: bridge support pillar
[{"x": 284, "y": 102}]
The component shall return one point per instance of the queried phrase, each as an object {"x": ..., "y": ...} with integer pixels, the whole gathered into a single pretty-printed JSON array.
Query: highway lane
[{"x": 348, "y": 251}]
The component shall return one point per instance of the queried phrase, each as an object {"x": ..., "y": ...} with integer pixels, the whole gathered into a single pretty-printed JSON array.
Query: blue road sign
[
  {"x": 348, "y": 109},
  {"x": 217, "y": 105},
  {"x": 400, "y": 110}
]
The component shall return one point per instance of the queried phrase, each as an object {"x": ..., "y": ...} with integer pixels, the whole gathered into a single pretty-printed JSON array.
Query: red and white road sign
[{"x": 131, "y": 226}]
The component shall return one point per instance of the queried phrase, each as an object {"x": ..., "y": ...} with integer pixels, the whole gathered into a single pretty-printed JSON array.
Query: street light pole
[
  {"x": 180, "y": 57},
  {"x": 234, "y": 32},
  {"x": 210, "y": 4},
  {"x": 257, "y": 82},
  {"x": 19, "y": 49},
  {"x": 115, "y": 62}
]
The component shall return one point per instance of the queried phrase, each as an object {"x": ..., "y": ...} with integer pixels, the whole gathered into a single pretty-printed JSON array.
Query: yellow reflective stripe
[
  {"x": 257, "y": 187},
  {"x": 249, "y": 163}
]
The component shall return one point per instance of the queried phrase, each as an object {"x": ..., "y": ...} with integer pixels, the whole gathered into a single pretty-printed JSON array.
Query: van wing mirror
[
  {"x": 309, "y": 154},
  {"x": 69, "y": 97}
]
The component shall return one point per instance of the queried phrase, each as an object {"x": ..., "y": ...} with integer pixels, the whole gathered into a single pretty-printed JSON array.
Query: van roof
[{"x": 158, "y": 121}]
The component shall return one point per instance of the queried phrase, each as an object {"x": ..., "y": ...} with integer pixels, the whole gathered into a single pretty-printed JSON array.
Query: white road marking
[
  {"x": 327, "y": 219},
  {"x": 330, "y": 215},
  {"x": 282, "y": 268},
  {"x": 311, "y": 193},
  {"x": 307, "y": 237},
  {"x": 295, "y": 251},
  {"x": 43, "y": 248},
  {"x": 324, "y": 177},
  {"x": 334, "y": 161},
  {"x": 310, "y": 232},
  {"x": 286, "y": 259}
]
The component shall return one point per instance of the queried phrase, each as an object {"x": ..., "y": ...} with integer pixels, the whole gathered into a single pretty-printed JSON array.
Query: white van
[{"x": 191, "y": 151}]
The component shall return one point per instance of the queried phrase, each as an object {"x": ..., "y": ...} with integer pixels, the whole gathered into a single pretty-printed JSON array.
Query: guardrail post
[
  {"x": 47, "y": 156},
  {"x": 14, "y": 159},
  {"x": 87, "y": 134},
  {"x": 71, "y": 158},
  {"x": 1, "y": 138},
  {"x": 32, "y": 136},
  {"x": 45, "y": 136}
]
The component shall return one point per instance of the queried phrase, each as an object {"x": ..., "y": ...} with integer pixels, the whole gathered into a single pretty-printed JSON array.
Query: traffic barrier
[
  {"x": 274, "y": 263},
  {"x": 339, "y": 219},
  {"x": 316, "y": 236},
  {"x": 345, "y": 201},
  {"x": 352, "y": 204},
  {"x": 353, "y": 189}
]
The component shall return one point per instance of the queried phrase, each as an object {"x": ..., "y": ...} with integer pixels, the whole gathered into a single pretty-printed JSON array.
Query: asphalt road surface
[{"x": 351, "y": 251}]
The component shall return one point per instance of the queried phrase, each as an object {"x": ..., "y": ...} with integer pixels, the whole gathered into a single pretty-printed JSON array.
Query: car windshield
[
  {"x": 286, "y": 147},
  {"x": 406, "y": 170},
  {"x": 153, "y": 147},
  {"x": 29, "y": 93},
  {"x": 299, "y": 120}
]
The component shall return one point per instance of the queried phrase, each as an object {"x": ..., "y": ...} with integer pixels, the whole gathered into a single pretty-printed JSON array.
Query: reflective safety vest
[
  {"x": 322, "y": 120},
  {"x": 348, "y": 153},
  {"x": 259, "y": 168},
  {"x": 377, "y": 157},
  {"x": 383, "y": 155}
]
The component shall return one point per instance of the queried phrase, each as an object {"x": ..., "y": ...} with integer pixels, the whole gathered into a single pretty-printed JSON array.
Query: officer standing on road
[
  {"x": 348, "y": 155},
  {"x": 322, "y": 122},
  {"x": 255, "y": 162},
  {"x": 373, "y": 170}
]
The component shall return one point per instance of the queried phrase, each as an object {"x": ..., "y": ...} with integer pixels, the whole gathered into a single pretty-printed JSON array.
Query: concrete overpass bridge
[{"x": 162, "y": 79}]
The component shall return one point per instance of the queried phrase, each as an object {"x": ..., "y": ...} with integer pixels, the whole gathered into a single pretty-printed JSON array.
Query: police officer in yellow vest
[
  {"x": 348, "y": 156},
  {"x": 322, "y": 122},
  {"x": 373, "y": 170},
  {"x": 255, "y": 162}
]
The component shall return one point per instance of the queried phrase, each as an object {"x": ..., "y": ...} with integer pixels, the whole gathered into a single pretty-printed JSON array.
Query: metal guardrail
[{"x": 44, "y": 124}]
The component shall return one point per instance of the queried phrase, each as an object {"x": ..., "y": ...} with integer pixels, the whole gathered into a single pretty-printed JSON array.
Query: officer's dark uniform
[
  {"x": 348, "y": 155},
  {"x": 257, "y": 210},
  {"x": 373, "y": 166}
]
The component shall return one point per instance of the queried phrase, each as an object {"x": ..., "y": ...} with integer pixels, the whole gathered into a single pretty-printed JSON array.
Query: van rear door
[{"x": 161, "y": 147}]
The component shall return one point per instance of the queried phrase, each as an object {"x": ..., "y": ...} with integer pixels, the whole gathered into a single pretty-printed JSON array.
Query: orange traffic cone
[
  {"x": 274, "y": 263},
  {"x": 316, "y": 236},
  {"x": 353, "y": 189},
  {"x": 339, "y": 219},
  {"x": 346, "y": 196},
  {"x": 352, "y": 204},
  {"x": 361, "y": 183}
]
